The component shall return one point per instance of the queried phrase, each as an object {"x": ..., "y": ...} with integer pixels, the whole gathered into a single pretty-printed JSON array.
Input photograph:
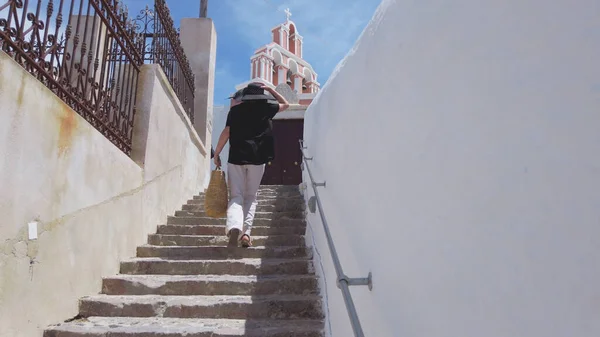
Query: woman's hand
[
  {"x": 266, "y": 87},
  {"x": 217, "y": 160}
]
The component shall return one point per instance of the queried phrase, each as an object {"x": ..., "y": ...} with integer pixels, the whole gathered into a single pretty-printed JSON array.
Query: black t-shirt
[{"x": 250, "y": 133}]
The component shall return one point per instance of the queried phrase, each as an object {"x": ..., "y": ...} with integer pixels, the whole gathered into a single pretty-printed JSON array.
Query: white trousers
[{"x": 244, "y": 181}]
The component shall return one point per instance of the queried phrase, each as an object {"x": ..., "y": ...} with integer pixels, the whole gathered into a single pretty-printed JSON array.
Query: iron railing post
[{"x": 203, "y": 8}]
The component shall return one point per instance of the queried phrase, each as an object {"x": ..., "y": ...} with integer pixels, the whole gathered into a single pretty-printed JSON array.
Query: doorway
[{"x": 285, "y": 168}]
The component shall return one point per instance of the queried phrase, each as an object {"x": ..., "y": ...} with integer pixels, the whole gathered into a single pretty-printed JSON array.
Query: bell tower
[{"x": 280, "y": 64}]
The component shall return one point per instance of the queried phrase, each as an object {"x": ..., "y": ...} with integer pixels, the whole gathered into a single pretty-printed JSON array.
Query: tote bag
[{"x": 216, "y": 199}]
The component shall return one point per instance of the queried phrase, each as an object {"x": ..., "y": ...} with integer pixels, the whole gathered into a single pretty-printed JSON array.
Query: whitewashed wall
[{"x": 460, "y": 142}]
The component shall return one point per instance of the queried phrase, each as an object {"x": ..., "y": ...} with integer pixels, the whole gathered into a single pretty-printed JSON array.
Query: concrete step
[
  {"x": 216, "y": 240},
  {"x": 220, "y": 230},
  {"x": 172, "y": 327},
  {"x": 230, "y": 307},
  {"x": 259, "y": 208},
  {"x": 257, "y": 215},
  {"x": 264, "y": 196},
  {"x": 245, "y": 266},
  {"x": 261, "y": 202},
  {"x": 179, "y": 285},
  {"x": 176, "y": 220},
  {"x": 221, "y": 252},
  {"x": 278, "y": 188}
]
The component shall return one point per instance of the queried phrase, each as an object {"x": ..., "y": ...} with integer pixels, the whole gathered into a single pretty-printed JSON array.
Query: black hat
[
  {"x": 237, "y": 96},
  {"x": 254, "y": 92}
]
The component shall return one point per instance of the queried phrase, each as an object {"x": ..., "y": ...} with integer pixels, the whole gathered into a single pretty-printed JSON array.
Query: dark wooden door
[{"x": 285, "y": 168}]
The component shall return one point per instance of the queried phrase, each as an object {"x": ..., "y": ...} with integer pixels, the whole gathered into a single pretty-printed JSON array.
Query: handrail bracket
[
  {"x": 357, "y": 281},
  {"x": 323, "y": 184}
]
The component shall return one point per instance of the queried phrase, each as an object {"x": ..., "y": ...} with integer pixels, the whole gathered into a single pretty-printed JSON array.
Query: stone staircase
[{"x": 186, "y": 282}]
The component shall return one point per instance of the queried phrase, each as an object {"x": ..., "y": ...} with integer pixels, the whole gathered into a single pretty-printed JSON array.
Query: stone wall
[
  {"x": 459, "y": 141},
  {"x": 93, "y": 204}
]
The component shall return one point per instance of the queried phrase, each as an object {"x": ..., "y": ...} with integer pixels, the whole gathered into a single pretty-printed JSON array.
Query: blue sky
[{"x": 329, "y": 28}]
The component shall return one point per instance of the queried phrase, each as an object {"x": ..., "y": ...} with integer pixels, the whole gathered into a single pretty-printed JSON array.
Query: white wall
[
  {"x": 93, "y": 203},
  {"x": 459, "y": 141}
]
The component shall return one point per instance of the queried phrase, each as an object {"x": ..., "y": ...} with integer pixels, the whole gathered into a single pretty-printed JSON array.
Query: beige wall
[{"x": 93, "y": 203}]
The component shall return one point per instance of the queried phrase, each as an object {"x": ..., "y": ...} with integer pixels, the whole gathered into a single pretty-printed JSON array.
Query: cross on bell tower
[{"x": 288, "y": 14}]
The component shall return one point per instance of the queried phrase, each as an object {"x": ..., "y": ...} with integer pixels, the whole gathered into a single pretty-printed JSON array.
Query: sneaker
[{"x": 233, "y": 237}]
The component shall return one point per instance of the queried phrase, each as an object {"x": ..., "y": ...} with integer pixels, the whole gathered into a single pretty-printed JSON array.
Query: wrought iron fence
[
  {"x": 91, "y": 63},
  {"x": 161, "y": 45}
]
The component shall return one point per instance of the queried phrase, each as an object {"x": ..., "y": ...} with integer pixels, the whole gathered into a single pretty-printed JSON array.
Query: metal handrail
[{"x": 343, "y": 282}]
